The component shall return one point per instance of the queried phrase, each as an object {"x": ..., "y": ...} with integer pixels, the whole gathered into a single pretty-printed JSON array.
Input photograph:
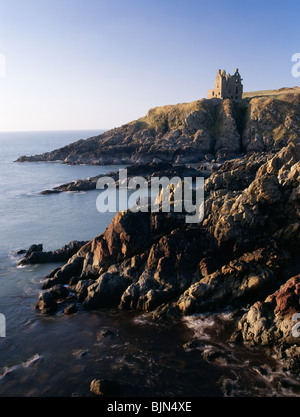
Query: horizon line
[{"x": 51, "y": 130}]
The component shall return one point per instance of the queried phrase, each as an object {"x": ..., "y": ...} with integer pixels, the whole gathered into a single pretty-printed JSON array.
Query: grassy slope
[{"x": 278, "y": 92}]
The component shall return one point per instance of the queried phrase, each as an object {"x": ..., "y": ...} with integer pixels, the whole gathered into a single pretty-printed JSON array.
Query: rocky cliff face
[
  {"x": 244, "y": 252},
  {"x": 187, "y": 133}
]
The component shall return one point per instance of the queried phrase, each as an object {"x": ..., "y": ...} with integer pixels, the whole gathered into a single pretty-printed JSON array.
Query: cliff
[
  {"x": 244, "y": 255},
  {"x": 190, "y": 132}
]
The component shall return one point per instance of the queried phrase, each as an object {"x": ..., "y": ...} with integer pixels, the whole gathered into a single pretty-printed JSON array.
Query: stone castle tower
[{"x": 227, "y": 86}]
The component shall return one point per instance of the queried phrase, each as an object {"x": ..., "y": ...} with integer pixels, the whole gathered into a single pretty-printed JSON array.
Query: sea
[{"x": 59, "y": 356}]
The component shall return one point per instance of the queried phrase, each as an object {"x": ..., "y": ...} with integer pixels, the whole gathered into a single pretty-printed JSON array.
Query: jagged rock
[
  {"x": 106, "y": 291},
  {"x": 81, "y": 288},
  {"x": 269, "y": 323},
  {"x": 238, "y": 255},
  {"x": 167, "y": 273},
  {"x": 128, "y": 235},
  {"x": 47, "y": 302},
  {"x": 241, "y": 278},
  {"x": 34, "y": 248},
  {"x": 71, "y": 309},
  {"x": 157, "y": 169},
  {"x": 35, "y": 254},
  {"x": 68, "y": 271},
  {"x": 185, "y": 133}
]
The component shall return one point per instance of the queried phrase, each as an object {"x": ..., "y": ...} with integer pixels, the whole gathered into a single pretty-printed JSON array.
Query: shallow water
[{"x": 60, "y": 355}]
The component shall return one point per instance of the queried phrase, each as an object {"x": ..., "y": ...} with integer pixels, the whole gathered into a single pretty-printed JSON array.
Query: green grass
[
  {"x": 260, "y": 93},
  {"x": 278, "y": 92},
  {"x": 170, "y": 116}
]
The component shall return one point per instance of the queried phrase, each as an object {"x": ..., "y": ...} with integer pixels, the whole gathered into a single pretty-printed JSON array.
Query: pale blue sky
[{"x": 96, "y": 64}]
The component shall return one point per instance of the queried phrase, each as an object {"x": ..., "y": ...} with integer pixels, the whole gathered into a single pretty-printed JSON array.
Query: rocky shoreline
[
  {"x": 244, "y": 255},
  {"x": 148, "y": 170},
  {"x": 203, "y": 130},
  {"x": 36, "y": 255}
]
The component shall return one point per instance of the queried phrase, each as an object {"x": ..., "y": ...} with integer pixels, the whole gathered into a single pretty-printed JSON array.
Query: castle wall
[{"x": 227, "y": 86}]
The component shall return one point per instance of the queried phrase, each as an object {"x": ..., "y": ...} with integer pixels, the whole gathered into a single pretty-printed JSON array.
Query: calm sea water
[{"x": 60, "y": 355}]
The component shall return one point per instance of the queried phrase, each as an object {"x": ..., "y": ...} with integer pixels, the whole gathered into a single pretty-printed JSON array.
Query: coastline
[{"x": 155, "y": 264}]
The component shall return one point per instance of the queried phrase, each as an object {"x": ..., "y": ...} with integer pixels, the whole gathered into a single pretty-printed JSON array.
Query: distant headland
[{"x": 217, "y": 129}]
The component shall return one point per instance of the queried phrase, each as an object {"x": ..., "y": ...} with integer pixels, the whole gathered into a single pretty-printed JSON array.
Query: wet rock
[
  {"x": 64, "y": 274},
  {"x": 80, "y": 353},
  {"x": 47, "y": 302},
  {"x": 52, "y": 273},
  {"x": 34, "y": 248},
  {"x": 167, "y": 273},
  {"x": 73, "y": 281},
  {"x": 192, "y": 345},
  {"x": 269, "y": 323},
  {"x": 291, "y": 357},
  {"x": 106, "y": 291},
  {"x": 36, "y": 255},
  {"x": 237, "y": 256},
  {"x": 213, "y": 354},
  {"x": 81, "y": 288},
  {"x": 146, "y": 170},
  {"x": 21, "y": 252},
  {"x": 106, "y": 334},
  {"x": 71, "y": 309},
  {"x": 104, "y": 387},
  {"x": 240, "y": 279}
]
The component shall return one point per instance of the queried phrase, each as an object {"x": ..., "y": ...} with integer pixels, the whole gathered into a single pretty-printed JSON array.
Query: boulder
[{"x": 47, "y": 302}]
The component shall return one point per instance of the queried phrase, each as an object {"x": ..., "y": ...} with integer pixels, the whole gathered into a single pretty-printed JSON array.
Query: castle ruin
[{"x": 227, "y": 86}]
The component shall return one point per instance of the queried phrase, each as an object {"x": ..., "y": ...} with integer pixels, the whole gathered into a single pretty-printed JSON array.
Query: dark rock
[
  {"x": 212, "y": 354},
  {"x": 238, "y": 256},
  {"x": 35, "y": 254},
  {"x": 71, "y": 309},
  {"x": 64, "y": 274},
  {"x": 106, "y": 291},
  {"x": 47, "y": 302},
  {"x": 106, "y": 334},
  {"x": 52, "y": 273},
  {"x": 147, "y": 170},
  {"x": 34, "y": 248},
  {"x": 193, "y": 344},
  {"x": 81, "y": 288},
  {"x": 47, "y": 192}
]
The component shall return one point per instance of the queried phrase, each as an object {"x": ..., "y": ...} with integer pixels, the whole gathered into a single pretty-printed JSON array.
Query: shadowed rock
[{"x": 36, "y": 255}]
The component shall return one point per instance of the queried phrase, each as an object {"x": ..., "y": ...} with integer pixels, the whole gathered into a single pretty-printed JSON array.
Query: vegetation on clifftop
[{"x": 191, "y": 132}]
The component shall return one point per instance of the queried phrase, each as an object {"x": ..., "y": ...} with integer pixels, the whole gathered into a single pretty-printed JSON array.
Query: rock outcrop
[
  {"x": 192, "y": 132},
  {"x": 273, "y": 323},
  {"x": 36, "y": 254},
  {"x": 241, "y": 254},
  {"x": 147, "y": 171}
]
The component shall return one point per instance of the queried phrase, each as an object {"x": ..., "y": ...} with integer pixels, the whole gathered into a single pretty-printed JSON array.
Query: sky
[{"x": 97, "y": 64}]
